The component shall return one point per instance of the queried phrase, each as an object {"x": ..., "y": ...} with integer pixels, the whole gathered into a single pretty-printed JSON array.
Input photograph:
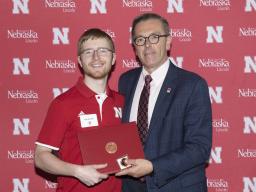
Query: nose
[
  {"x": 147, "y": 43},
  {"x": 95, "y": 54}
]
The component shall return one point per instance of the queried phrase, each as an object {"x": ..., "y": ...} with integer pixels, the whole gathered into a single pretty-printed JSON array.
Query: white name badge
[{"x": 88, "y": 120}]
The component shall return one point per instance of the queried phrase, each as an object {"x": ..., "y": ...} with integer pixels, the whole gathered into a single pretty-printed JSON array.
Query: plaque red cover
[{"x": 120, "y": 140}]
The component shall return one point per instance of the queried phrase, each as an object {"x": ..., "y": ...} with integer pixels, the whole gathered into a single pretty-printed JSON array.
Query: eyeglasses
[
  {"x": 153, "y": 39},
  {"x": 101, "y": 52}
]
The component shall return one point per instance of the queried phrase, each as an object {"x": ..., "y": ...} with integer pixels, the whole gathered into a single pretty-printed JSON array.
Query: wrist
[
  {"x": 75, "y": 169},
  {"x": 151, "y": 167}
]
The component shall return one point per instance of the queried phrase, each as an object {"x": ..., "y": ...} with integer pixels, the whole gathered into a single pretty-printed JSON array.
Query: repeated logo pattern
[{"x": 214, "y": 38}]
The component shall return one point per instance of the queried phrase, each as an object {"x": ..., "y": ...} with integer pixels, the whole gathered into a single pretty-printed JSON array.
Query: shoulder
[
  {"x": 188, "y": 77},
  {"x": 128, "y": 79},
  {"x": 131, "y": 73},
  {"x": 66, "y": 97},
  {"x": 117, "y": 96}
]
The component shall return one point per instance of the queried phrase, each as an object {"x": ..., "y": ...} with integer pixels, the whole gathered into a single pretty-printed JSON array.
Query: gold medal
[{"x": 111, "y": 147}]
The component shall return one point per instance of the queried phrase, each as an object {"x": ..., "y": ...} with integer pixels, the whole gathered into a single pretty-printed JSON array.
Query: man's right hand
[{"x": 89, "y": 175}]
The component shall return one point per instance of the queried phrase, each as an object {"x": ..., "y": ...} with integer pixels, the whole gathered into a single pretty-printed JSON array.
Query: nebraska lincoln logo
[
  {"x": 65, "y": 5},
  {"x": 98, "y": 6},
  {"x": 216, "y": 155},
  {"x": 220, "y": 185},
  {"x": 21, "y": 126},
  {"x": 250, "y": 6},
  {"x": 247, "y": 153},
  {"x": 216, "y": 94},
  {"x": 118, "y": 112},
  {"x": 60, "y": 36},
  {"x": 130, "y": 63},
  {"x": 249, "y": 64},
  {"x": 214, "y": 34},
  {"x": 247, "y": 93},
  {"x": 249, "y": 184},
  {"x": 249, "y": 125},
  {"x": 219, "y": 64},
  {"x": 20, "y": 185},
  {"x": 29, "y": 35},
  {"x": 26, "y": 155},
  {"x": 143, "y": 5},
  {"x": 220, "y": 125},
  {"x": 20, "y": 7},
  {"x": 221, "y": 5},
  {"x": 175, "y": 6},
  {"x": 30, "y": 96},
  {"x": 21, "y": 66},
  {"x": 247, "y": 31},
  {"x": 183, "y": 34},
  {"x": 68, "y": 66}
]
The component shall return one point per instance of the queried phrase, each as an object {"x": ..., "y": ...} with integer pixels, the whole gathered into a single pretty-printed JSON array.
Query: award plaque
[{"x": 112, "y": 145}]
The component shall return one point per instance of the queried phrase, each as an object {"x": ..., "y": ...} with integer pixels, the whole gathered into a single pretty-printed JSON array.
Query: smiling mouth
[{"x": 97, "y": 65}]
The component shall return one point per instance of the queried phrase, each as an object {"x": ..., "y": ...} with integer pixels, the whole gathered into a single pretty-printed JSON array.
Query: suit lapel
[
  {"x": 165, "y": 97},
  {"x": 130, "y": 94}
]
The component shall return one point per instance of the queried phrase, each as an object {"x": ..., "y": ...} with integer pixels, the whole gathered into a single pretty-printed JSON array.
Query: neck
[
  {"x": 96, "y": 85},
  {"x": 151, "y": 69}
]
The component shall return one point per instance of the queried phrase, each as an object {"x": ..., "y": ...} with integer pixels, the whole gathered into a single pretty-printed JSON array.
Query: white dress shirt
[{"x": 158, "y": 77}]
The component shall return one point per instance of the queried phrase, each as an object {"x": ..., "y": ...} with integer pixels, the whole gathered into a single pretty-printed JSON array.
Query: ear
[
  {"x": 79, "y": 61},
  {"x": 135, "y": 50},
  {"x": 168, "y": 42},
  {"x": 114, "y": 58}
]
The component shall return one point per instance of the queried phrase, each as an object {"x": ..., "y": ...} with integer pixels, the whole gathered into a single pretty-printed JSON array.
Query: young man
[
  {"x": 89, "y": 100},
  {"x": 176, "y": 128}
]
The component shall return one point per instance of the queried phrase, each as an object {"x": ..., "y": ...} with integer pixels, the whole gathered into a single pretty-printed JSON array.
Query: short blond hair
[{"x": 94, "y": 33}]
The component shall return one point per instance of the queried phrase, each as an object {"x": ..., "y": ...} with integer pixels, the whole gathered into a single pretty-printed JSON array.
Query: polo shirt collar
[{"x": 87, "y": 92}]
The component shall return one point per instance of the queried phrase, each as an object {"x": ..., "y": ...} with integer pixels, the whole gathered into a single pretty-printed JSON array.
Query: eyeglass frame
[
  {"x": 108, "y": 50},
  {"x": 148, "y": 37}
]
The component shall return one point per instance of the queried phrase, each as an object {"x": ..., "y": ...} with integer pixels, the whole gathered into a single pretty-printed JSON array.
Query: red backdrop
[{"x": 215, "y": 38}]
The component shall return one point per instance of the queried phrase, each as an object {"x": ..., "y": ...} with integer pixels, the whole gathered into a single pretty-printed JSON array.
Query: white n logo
[
  {"x": 215, "y": 95},
  {"x": 57, "y": 91},
  {"x": 99, "y": 5},
  {"x": 250, "y": 65},
  {"x": 20, "y": 5},
  {"x": 216, "y": 155},
  {"x": 175, "y": 4},
  {"x": 20, "y": 126},
  {"x": 118, "y": 112},
  {"x": 249, "y": 125},
  {"x": 214, "y": 34},
  {"x": 249, "y": 185},
  {"x": 20, "y": 66},
  {"x": 178, "y": 61},
  {"x": 249, "y": 5},
  {"x": 20, "y": 187},
  {"x": 60, "y": 35}
]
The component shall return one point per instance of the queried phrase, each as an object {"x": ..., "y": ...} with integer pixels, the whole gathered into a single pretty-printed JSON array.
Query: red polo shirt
[{"x": 59, "y": 131}]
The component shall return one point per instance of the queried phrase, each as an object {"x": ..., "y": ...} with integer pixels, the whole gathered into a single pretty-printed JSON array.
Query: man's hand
[
  {"x": 139, "y": 168},
  {"x": 89, "y": 175}
]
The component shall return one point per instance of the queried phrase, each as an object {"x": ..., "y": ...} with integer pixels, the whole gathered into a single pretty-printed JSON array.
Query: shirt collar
[
  {"x": 159, "y": 74},
  {"x": 87, "y": 92}
]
